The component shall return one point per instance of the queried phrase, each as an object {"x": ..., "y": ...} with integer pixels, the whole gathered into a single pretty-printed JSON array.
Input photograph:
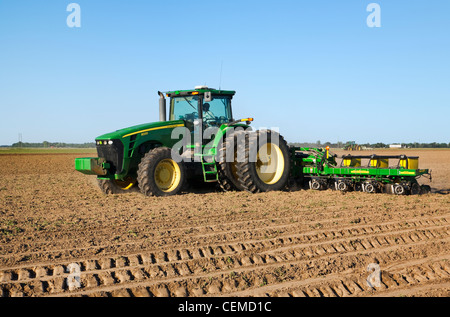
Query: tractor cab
[{"x": 211, "y": 106}]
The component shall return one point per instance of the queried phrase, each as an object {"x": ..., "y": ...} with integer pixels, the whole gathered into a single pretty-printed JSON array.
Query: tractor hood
[{"x": 139, "y": 129}]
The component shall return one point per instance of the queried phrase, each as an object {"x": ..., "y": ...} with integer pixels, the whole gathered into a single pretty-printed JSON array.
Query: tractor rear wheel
[
  {"x": 227, "y": 169},
  {"x": 159, "y": 174},
  {"x": 265, "y": 165}
]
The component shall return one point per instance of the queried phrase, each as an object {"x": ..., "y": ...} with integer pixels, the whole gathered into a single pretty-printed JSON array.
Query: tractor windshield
[{"x": 215, "y": 112}]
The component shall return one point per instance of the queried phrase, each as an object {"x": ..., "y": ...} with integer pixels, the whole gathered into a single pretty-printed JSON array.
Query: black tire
[
  {"x": 250, "y": 168},
  {"x": 227, "y": 169},
  {"x": 111, "y": 187},
  {"x": 155, "y": 162}
]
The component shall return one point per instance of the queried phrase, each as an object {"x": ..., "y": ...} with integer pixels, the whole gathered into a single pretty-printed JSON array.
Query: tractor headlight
[{"x": 110, "y": 142}]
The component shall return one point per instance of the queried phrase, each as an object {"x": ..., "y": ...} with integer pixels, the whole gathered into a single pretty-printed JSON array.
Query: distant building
[{"x": 395, "y": 146}]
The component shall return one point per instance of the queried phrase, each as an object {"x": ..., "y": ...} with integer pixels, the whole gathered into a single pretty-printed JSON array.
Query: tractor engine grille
[{"x": 113, "y": 153}]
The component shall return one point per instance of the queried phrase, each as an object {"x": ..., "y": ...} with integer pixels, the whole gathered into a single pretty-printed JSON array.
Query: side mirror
[{"x": 208, "y": 97}]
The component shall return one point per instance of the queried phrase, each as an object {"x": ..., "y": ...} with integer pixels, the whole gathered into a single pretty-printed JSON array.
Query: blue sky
[{"x": 314, "y": 69}]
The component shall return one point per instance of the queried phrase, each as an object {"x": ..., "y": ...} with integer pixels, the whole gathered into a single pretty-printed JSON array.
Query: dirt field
[{"x": 209, "y": 243}]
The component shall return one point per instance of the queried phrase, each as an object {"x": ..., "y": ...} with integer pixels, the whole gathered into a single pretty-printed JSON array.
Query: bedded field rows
[{"x": 238, "y": 267}]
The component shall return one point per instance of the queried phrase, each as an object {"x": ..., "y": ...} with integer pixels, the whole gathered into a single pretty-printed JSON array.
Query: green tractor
[
  {"x": 352, "y": 146},
  {"x": 200, "y": 139}
]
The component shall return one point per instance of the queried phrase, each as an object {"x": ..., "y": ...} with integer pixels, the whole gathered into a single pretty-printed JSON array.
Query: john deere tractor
[
  {"x": 201, "y": 139},
  {"x": 352, "y": 146}
]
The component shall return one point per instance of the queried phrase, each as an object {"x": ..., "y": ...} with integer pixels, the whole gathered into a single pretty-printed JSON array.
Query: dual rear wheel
[{"x": 260, "y": 162}]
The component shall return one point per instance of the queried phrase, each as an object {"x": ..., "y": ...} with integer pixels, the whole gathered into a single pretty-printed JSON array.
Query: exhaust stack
[{"x": 162, "y": 107}]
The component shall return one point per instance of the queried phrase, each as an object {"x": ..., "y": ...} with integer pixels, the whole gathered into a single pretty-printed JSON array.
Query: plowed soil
[{"x": 208, "y": 243}]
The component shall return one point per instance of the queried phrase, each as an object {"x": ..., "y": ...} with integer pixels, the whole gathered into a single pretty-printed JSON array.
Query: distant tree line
[
  {"x": 47, "y": 144},
  {"x": 426, "y": 145},
  {"x": 378, "y": 145},
  {"x": 338, "y": 145}
]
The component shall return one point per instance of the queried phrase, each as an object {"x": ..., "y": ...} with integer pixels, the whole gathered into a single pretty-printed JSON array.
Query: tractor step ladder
[{"x": 209, "y": 167}]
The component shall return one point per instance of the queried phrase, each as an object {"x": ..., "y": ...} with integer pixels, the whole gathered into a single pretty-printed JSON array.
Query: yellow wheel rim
[
  {"x": 167, "y": 175},
  {"x": 270, "y": 163}
]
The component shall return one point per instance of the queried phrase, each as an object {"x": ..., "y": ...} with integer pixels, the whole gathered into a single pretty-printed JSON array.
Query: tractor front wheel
[
  {"x": 112, "y": 186},
  {"x": 159, "y": 174}
]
